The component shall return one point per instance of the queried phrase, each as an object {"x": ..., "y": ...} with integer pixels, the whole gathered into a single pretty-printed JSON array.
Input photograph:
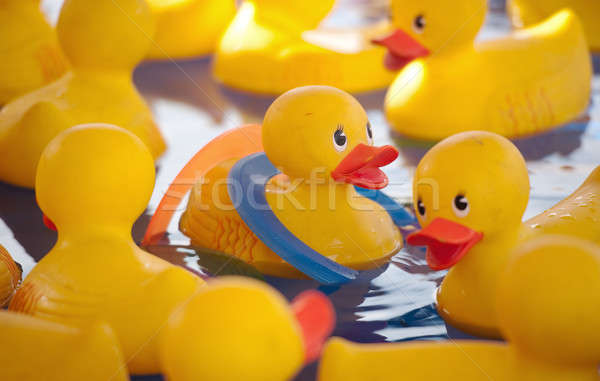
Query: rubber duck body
[
  {"x": 524, "y": 13},
  {"x": 321, "y": 140},
  {"x": 31, "y": 56},
  {"x": 272, "y": 46},
  {"x": 95, "y": 271},
  {"x": 103, "y": 41},
  {"x": 543, "y": 274},
  {"x": 532, "y": 80},
  {"x": 471, "y": 191}
]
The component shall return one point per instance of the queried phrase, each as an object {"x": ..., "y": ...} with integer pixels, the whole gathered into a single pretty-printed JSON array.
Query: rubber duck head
[
  {"x": 549, "y": 301},
  {"x": 423, "y": 27},
  {"x": 105, "y": 34},
  {"x": 316, "y": 130},
  {"x": 470, "y": 186},
  {"x": 242, "y": 329},
  {"x": 301, "y": 15},
  {"x": 94, "y": 177}
]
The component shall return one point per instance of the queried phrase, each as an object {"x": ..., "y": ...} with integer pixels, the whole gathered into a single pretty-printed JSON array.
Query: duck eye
[
  {"x": 419, "y": 24},
  {"x": 461, "y": 206},
  {"x": 421, "y": 208},
  {"x": 369, "y": 133},
  {"x": 340, "y": 141}
]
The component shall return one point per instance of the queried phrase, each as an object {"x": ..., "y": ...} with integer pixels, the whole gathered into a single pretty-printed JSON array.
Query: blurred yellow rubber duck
[
  {"x": 524, "y": 13},
  {"x": 93, "y": 182},
  {"x": 272, "y": 46},
  {"x": 188, "y": 28},
  {"x": 34, "y": 349},
  {"x": 242, "y": 329},
  {"x": 321, "y": 140},
  {"x": 10, "y": 276},
  {"x": 532, "y": 80},
  {"x": 103, "y": 41},
  {"x": 548, "y": 306},
  {"x": 31, "y": 56},
  {"x": 470, "y": 191}
]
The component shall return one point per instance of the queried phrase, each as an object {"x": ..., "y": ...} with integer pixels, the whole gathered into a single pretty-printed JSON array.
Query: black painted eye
[
  {"x": 461, "y": 206},
  {"x": 369, "y": 133},
  {"x": 419, "y": 24},
  {"x": 340, "y": 141},
  {"x": 421, "y": 208}
]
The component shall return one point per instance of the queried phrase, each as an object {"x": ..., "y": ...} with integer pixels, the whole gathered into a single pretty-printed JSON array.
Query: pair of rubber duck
[
  {"x": 532, "y": 80},
  {"x": 524, "y": 13},
  {"x": 470, "y": 192},
  {"x": 548, "y": 306},
  {"x": 95, "y": 272},
  {"x": 273, "y": 46}
]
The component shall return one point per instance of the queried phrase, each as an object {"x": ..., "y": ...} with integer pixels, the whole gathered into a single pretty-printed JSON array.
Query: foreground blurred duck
[
  {"x": 529, "y": 81},
  {"x": 470, "y": 192}
]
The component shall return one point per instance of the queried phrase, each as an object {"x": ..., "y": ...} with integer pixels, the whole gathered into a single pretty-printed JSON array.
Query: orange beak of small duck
[
  {"x": 49, "y": 224},
  {"x": 361, "y": 166},
  {"x": 402, "y": 49},
  {"x": 447, "y": 242},
  {"x": 316, "y": 317}
]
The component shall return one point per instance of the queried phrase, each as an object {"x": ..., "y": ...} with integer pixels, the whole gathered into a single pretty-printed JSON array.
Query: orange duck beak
[
  {"x": 361, "y": 166},
  {"x": 49, "y": 224},
  {"x": 447, "y": 242},
  {"x": 402, "y": 49},
  {"x": 316, "y": 317}
]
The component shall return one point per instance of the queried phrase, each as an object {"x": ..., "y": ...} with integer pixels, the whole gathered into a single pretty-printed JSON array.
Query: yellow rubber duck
[
  {"x": 31, "y": 56},
  {"x": 524, "y": 13},
  {"x": 470, "y": 192},
  {"x": 549, "y": 303},
  {"x": 272, "y": 46},
  {"x": 93, "y": 181},
  {"x": 34, "y": 349},
  {"x": 103, "y": 40},
  {"x": 242, "y": 329},
  {"x": 321, "y": 139},
  {"x": 188, "y": 28},
  {"x": 10, "y": 276},
  {"x": 532, "y": 80}
]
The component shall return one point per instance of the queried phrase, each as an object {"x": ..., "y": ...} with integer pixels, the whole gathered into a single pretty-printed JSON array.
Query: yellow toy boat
[
  {"x": 103, "y": 40},
  {"x": 188, "y": 28},
  {"x": 241, "y": 329},
  {"x": 272, "y": 46},
  {"x": 549, "y": 303},
  {"x": 524, "y": 13},
  {"x": 93, "y": 181},
  {"x": 470, "y": 192},
  {"x": 33, "y": 350},
  {"x": 321, "y": 140},
  {"x": 532, "y": 80},
  {"x": 31, "y": 56},
  {"x": 10, "y": 276}
]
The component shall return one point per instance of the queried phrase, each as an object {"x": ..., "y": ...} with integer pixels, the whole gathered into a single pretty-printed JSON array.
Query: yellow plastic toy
[
  {"x": 549, "y": 303},
  {"x": 188, "y": 28},
  {"x": 10, "y": 276},
  {"x": 532, "y": 80},
  {"x": 34, "y": 349},
  {"x": 93, "y": 181},
  {"x": 241, "y": 329},
  {"x": 31, "y": 56},
  {"x": 527, "y": 12},
  {"x": 321, "y": 139},
  {"x": 103, "y": 40},
  {"x": 272, "y": 46},
  {"x": 470, "y": 192}
]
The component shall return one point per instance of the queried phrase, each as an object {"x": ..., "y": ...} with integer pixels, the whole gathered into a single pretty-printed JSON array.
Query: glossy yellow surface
[
  {"x": 272, "y": 46},
  {"x": 491, "y": 173},
  {"x": 10, "y": 276},
  {"x": 103, "y": 40},
  {"x": 527, "y": 12},
  {"x": 328, "y": 216},
  {"x": 188, "y": 28},
  {"x": 548, "y": 308},
  {"x": 233, "y": 329},
  {"x": 34, "y": 349},
  {"x": 532, "y": 80},
  {"x": 93, "y": 182},
  {"x": 31, "y": 56}
]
